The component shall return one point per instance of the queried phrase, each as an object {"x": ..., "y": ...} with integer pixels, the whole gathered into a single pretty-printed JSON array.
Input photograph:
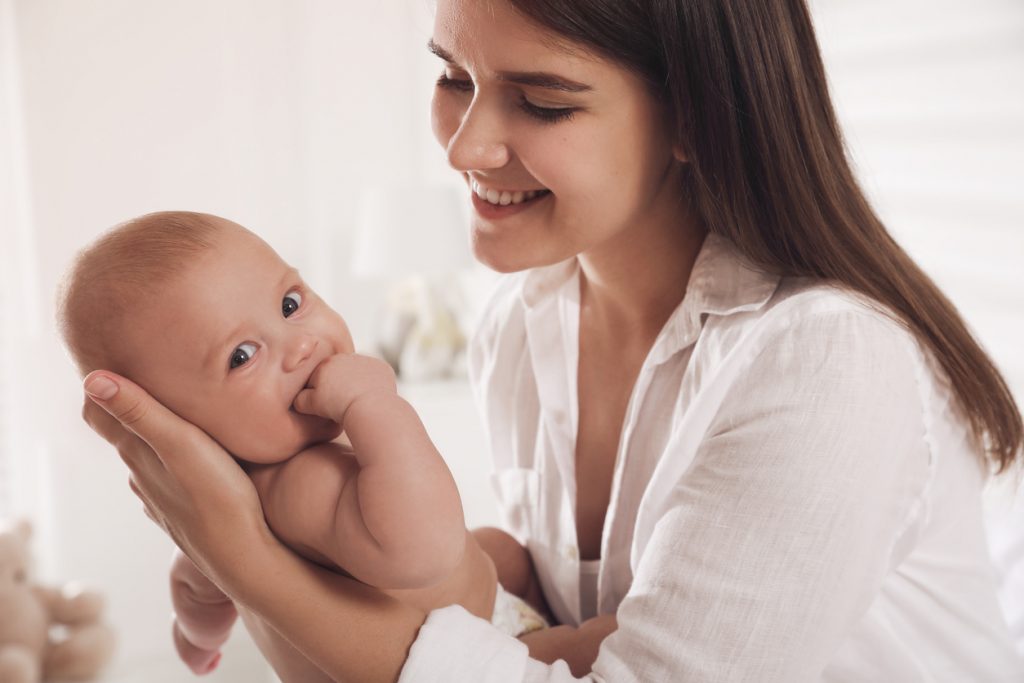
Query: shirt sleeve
[{"x": 777, "y": 538}]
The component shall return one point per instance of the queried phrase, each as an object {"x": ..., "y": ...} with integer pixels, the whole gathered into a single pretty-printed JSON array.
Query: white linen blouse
[{"x": 796, "y": 495}]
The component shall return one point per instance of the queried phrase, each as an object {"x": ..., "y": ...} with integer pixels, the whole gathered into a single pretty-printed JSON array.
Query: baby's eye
[
  {"x": 291, "y": 303},
  {"x": 242, "y": 354}
]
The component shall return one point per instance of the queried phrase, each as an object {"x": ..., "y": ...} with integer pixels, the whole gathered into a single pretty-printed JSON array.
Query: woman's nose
[
  {"x": 300, "y": 348},
  {"x": 477, "y": 143}
]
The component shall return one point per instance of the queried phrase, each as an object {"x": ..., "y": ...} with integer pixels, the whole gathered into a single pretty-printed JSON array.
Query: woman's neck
[{"x": 630, "y": 285}]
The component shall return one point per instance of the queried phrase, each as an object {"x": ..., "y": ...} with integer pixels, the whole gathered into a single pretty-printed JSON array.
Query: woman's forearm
[{"x": 350, "y": 630}]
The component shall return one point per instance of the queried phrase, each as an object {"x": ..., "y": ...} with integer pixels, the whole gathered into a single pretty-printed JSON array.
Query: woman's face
[{"x": 571, "y": 149}]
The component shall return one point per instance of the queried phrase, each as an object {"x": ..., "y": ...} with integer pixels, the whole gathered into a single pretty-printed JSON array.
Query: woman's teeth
[{"x": 504, "y": 197}]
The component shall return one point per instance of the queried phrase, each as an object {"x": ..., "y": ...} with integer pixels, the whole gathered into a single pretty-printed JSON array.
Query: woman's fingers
[{"x": 137, "y": 412}]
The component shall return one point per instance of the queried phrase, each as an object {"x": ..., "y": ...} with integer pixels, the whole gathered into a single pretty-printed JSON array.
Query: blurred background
[{"x": 300, "y": 119}]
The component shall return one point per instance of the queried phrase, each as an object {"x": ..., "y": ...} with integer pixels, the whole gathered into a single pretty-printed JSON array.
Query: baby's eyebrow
[
  {"x": 290, "y": 274},
  {"x": 210, "y": 361}
]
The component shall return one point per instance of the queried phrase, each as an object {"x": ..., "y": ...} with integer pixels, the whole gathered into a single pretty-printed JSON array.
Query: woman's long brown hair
[{"x": 745, "y": 84}]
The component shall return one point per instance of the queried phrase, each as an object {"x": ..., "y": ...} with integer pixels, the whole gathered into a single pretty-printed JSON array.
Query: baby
[{"x": 207, "y": 317}]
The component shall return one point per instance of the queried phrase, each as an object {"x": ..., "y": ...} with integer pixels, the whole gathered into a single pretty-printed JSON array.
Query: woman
[{"x": 730, "y": 417}]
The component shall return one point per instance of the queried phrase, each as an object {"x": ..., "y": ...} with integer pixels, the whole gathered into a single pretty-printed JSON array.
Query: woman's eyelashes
[
  {"x": 546, "y": 114},
  {"x": 242, "y": 354},
  {"x": 291, "y": 303},
  {"x": 456, "y": 84},
  {"x": 543, "y": 114}
]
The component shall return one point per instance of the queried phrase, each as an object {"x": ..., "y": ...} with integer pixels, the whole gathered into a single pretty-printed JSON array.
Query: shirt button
[{"x": 571, "y": 552}]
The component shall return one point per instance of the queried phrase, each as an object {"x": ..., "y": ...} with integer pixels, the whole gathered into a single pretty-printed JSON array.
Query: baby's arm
[
  {"x": 203, "y": 616},
  {"x": 395, "y": 519}
]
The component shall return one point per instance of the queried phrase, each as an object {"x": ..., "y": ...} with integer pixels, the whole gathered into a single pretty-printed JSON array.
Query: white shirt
[{"x": 796, "y": 496}]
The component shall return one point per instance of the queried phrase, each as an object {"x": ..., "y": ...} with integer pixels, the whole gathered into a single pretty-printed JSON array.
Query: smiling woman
[
  {"x": 516, "y": 115},
  {"x": 737, "y": 432}
]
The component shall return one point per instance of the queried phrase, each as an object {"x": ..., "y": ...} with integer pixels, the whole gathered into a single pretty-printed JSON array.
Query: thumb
[
  {"x": 303, "y": 402},
  {"x": 136, "y": 410}
]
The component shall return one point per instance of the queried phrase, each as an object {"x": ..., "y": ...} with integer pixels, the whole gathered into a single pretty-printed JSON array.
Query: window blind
[{"x": 931, "y": 97}]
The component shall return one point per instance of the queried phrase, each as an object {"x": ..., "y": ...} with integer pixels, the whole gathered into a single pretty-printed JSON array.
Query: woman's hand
[
  {"x": 577, "y": 646},
  {"x": 189, "y": 484},
  {"x": 200, "y": 496}
]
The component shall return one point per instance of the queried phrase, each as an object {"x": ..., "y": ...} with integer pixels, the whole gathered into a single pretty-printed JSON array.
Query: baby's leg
[
  {"x": 203, "y": 616},
  {"x": 514, "y": 566},
  {"x": 290, "y": 665}
]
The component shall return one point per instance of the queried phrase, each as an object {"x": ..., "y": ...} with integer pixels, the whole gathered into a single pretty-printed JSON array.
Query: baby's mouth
[{"x": 291, "y": 404}]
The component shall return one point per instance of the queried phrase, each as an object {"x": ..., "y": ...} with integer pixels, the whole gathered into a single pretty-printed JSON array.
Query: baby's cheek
[{"x": 262, "y": 438}]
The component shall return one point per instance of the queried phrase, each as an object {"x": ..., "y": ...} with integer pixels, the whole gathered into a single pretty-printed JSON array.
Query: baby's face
[{"x": 231, "y": 342}]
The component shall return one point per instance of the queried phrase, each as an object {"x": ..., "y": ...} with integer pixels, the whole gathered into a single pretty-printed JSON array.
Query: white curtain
[{"x": 21, "y": 306}]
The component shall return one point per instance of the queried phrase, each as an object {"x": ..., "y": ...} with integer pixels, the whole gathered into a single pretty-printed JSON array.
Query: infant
[{"x": 207, "y": 317}]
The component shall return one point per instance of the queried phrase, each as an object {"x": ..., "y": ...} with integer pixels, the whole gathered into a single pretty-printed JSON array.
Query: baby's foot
[{"x": 200, "y": 661}]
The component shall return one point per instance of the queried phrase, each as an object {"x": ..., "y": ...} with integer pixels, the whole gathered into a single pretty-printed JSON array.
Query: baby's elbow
[{"x": 425, "y": 564}]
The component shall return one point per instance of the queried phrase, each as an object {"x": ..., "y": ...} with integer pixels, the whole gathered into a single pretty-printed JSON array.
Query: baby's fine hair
[{"x": 122, "y": 269}]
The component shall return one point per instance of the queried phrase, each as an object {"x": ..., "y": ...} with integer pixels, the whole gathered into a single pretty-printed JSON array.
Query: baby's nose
[{"x": 301, "y": 348}]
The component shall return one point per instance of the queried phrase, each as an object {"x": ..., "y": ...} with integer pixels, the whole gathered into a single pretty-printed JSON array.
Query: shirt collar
[
  {"x": 724, "y": 282},
  {"x": 721, "y": 283}
]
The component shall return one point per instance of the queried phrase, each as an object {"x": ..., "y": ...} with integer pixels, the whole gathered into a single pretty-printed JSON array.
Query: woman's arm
[
  {"x": 200, "y": 496},
  {"x": 577, "y": 646}
]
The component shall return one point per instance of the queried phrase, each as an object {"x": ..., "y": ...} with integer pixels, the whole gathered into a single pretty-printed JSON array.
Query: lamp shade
[{"x": 410, "y": 230}]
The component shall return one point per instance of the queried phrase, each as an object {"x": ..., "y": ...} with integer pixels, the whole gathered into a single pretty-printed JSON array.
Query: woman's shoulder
[
  {"x": 809, "y": 310},
  {"x": 811, "y": 326}
]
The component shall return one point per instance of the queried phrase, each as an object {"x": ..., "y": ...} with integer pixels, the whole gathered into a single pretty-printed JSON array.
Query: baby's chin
[{"x": 304, "y": 432}]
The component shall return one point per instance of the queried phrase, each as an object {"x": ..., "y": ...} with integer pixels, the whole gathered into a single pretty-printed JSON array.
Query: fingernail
[
  {"x": 101, "y": 387},
  {"x": 213, "y": 664}
]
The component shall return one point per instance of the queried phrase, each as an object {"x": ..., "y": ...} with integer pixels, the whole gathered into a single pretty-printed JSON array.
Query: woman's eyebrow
[
  {"x": 440, "y": 51},
  {"x": 537, "y": 79},
  {"x": 542, "y": 79}
]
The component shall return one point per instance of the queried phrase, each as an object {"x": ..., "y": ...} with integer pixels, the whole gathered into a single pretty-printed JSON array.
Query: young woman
[{"x": 736, "y": 426}]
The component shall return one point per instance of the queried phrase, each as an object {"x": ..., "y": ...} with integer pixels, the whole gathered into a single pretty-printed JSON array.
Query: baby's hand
[{"x": 341, "y": 380}]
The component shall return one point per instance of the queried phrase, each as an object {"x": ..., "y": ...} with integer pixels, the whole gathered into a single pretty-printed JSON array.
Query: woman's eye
[
  {"x": 456, "y": 84},
  {"x": 242, "y": 354},
  {"x": 290, "y": 303},
  {"x": 546, "y": 114}
]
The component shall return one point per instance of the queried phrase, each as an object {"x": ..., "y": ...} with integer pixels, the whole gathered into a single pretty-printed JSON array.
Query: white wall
[{"x": 275, "y": 113}]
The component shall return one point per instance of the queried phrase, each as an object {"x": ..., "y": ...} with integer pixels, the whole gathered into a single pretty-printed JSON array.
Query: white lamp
[{"x": 415, "y": 237}]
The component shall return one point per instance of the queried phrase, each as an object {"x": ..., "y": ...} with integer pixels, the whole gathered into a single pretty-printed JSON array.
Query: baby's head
[{"x": 205, "y": 316}]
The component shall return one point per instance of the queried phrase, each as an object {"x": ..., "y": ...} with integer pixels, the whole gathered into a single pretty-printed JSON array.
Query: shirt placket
[{"x": 552, "y": 333}]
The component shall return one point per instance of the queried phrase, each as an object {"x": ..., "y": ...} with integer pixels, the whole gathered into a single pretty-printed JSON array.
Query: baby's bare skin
[
  {"x": 201, "y": 626},
  {"x": 471, "y": 584}
]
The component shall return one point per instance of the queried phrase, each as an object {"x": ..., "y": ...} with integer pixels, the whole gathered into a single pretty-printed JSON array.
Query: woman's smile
[{"x": 494, "y": 204}]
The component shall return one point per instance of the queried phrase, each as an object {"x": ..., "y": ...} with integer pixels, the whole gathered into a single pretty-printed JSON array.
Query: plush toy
[{"x": 46, "y": 634}]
